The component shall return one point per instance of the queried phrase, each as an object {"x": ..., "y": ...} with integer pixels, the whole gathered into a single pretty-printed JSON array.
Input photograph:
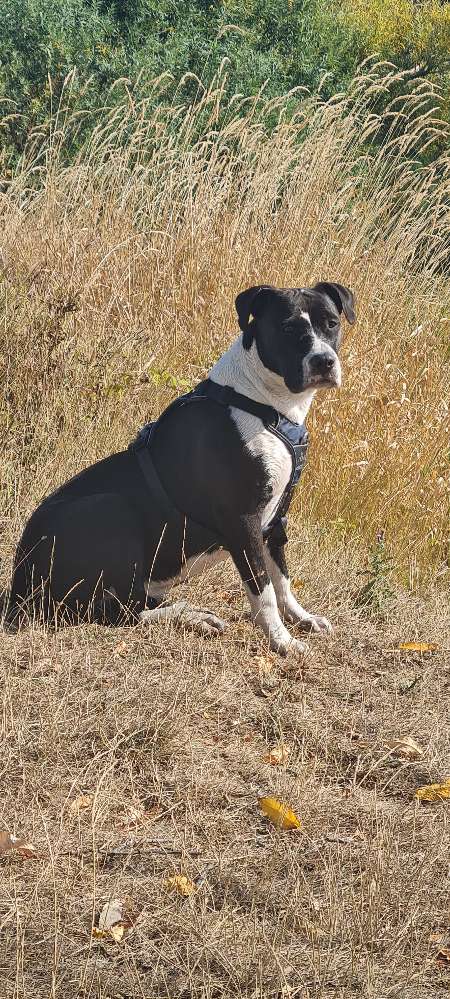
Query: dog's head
[{"x": 297, "y": 331}]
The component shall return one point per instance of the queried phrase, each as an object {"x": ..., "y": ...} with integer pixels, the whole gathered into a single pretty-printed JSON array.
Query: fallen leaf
[
  {"x": 438, "y": 937},
  {"x": 297, "y": 583},
  {"x": 117, "y": 931},
  {"x": 281, "y": 815},
  {"x": 277, "y": 756},
  {"x": 121, "y": 649},
  {"x": 418, "y": 646},
  {"x": 24, "y": 848},
  {"x": 228, "y": 598},
  {"x": 264, "y": 663},
  {"x": 406, "y": 747},
  {"x": 136, "y": 817},
  {"x": 443, "y": 956},
  {"x": 81, "y": 802},
  {"x": 181, "y": 884},
  {"x": 434, "y": 792}
]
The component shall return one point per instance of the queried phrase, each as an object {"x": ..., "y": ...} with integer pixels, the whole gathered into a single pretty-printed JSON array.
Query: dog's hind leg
[{"x": 184, "y": 614}]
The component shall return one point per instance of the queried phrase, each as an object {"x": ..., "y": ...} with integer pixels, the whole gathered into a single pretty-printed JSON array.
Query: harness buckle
[{"x": 143, "y": 437}]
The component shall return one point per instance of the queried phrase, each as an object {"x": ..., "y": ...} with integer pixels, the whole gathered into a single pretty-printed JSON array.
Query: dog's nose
[{"x": 321, "y": 364}]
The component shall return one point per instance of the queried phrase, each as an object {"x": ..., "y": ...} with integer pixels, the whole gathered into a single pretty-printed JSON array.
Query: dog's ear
[
  {"x": 342, "y": 297},
  {"x": 248, "y": 303}
]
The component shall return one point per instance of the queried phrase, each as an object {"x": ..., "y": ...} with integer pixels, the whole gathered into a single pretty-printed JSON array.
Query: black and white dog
[{"x": 213, "y": 476}]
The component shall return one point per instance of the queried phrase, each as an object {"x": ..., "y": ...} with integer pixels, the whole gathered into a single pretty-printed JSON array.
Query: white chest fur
[
  {"x": 274, "y": 454},
  {"x": 244, "y": 371}
]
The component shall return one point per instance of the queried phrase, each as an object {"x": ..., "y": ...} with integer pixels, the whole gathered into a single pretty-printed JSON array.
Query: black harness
[{"x": 293, "y": 435}]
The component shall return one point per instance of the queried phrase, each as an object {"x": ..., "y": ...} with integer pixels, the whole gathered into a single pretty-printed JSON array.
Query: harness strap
[
  {"x": 168, "y": 509},
  {"x": 293, "y": 436},
  {"x": 227, "y": 396},
  {"x": 151, "y": 476}
]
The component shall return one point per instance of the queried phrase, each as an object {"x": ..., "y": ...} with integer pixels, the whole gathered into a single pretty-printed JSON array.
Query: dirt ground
[{"x": 130, "y": 757}]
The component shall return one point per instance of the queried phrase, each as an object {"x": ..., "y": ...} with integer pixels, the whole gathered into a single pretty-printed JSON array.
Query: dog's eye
[{"x": 332, "y": 324}]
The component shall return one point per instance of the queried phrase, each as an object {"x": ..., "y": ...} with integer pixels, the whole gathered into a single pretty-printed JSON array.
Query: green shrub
[{"x": 266, "y": 44}]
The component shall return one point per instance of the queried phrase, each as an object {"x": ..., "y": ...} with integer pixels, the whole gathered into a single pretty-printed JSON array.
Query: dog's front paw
[
  {"x": 312, "y": 623},
  {"x": 299, "y": 649},
  {"x": 290, "y": 646},
  {"x": 294, "y": 613},
  {"x": 319, "y": 624}
]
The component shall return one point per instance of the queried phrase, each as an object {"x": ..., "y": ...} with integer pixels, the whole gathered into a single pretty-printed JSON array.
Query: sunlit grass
[{"x": 120, "y": 273}]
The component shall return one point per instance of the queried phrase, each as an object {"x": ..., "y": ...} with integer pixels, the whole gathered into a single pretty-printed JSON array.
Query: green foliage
[
  {"x": 406, "y": 30},
  {"x": 377, "y": 592},
  {"x": 275, "y": 44},
  {"x": 41, "y": 41},
  {"x": 414, "y": 34}
]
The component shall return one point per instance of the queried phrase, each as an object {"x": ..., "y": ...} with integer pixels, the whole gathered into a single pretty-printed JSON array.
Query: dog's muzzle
[{"x": 323, "y": 370}]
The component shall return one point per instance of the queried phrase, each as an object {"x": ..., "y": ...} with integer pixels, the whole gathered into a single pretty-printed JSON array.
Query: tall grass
[{"x": 120, "y": 271}]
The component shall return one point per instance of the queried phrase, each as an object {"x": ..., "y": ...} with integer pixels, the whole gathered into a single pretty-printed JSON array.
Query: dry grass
[
  {"x": 124, "y": 267},
  {"x": 355, "y": 904},
  {"x": 120, "y": 273}
]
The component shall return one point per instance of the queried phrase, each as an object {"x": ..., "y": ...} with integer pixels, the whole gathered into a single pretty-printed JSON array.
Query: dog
[{"x": 212, "y": 477}]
